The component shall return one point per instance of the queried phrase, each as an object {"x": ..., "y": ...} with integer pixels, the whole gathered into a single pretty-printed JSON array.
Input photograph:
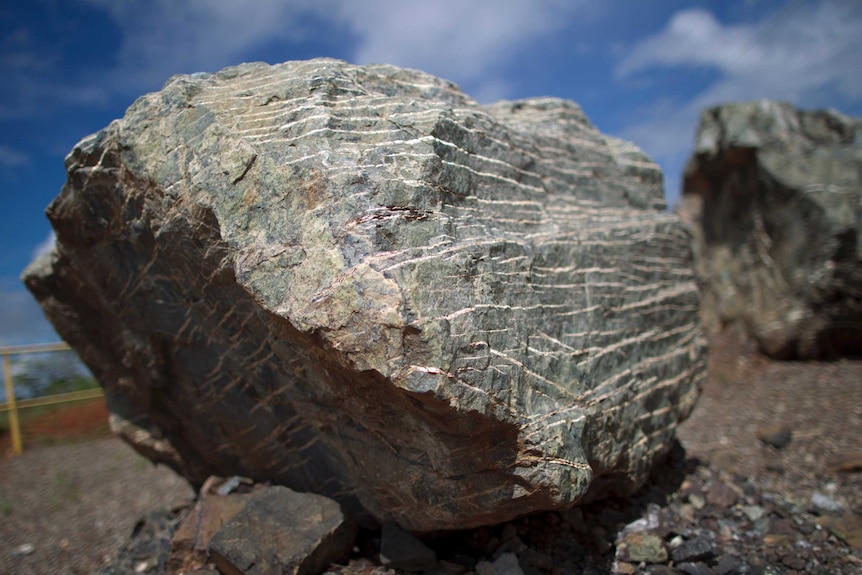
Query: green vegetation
[
  {"x": 44, "y": 375},
  {"x": 56, "y": 373}
]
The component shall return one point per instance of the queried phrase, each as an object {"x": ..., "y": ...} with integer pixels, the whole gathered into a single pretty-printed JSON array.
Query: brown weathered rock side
[
  {"x": 356, "y": 281},
  {"x": 281, "y": 532},
  {"x": 773, "y": 199}
]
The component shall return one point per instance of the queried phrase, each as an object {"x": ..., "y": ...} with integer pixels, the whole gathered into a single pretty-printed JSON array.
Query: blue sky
[{"x": 641, "y": 71}]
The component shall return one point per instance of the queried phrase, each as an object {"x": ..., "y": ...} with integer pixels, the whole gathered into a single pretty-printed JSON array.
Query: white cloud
[
  {"x": 45, "y": 245},
  {"x": 805, "y": 54},
  {"x": 794, "y": 54},
  {"x": 164, "y": 37},
  {"x": 468, "y": 42},
  {"x": 692, "y": 37}
]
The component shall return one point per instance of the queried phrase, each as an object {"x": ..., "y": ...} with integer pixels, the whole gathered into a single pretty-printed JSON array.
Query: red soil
[{"x": 77, "y": 421}]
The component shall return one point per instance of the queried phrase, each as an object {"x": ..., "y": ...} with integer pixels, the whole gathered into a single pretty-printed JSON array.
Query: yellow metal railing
[{"x": 12, "y": 405}]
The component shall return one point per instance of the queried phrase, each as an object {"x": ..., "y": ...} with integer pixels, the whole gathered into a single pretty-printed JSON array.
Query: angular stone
[
  {"x": 190, "y": 543},
  {"x": 822, "y": 504},
  {"x": 772, "y": 196},
  {"x": 281, "y": 532},
  {"x": 695, "y": 569},
  {"x": 641, "y": 546},
  {"x": 695, "y": 549},
  {"x": 356, "y": 281},
  {"x": 729, "y": 565}
]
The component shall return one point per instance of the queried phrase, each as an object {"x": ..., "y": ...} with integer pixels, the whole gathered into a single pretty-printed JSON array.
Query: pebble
[
  {"x": 639, "y": 546},
  {"x": 740, "y": 530},
  {"x": 721, "y": 495},
  {"x": 823, "y": 504},
  {"x": 697, "y": 501},
  {"x": 696, "y": 549},
  {"x": 695, "y": 569},
  {"x": 753, "y": 512},
  {"x": 23, "y": 550},
  {"x": 728, "y": 565},
  {"x": 778, "y": 436}
]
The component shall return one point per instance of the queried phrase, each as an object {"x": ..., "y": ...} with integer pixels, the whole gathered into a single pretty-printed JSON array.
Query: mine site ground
[{"x": 71, "y": 500}]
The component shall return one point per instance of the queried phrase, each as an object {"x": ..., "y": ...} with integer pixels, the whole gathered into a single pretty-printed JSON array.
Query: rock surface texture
[
  {"x": 773, "y": 198},
  {"x": 356, "y": 281}
]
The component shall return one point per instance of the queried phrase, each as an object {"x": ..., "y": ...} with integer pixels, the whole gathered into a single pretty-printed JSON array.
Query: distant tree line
[{"x": 50, "y": 373}]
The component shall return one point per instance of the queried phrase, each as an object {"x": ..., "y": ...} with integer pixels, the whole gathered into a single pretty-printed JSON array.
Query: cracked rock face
[
  {"x": 356, "y": 281},
  {"x": 773, "y": 198}
]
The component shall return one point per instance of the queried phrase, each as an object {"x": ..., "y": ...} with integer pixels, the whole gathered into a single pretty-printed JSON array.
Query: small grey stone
[
  {"x": 728, "y": 565},
  {"x": 753, "y": 512},
  {"x": 762, "y": 525},
  {"x": 23, "y": 550},
  {"x": 650, "y": 520},
  {"x": 695, "y": 569},
  {"x": 695, "y": 549},
  {"x": 401, "y": 550},
  {"x": 822, "y": 504}
]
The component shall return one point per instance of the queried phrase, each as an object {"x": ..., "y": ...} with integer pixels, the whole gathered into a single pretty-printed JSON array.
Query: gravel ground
[
  {"x": 819, "y": 403},
  {"x": 731, "y": 503},
  {"x": 67, "y": 509}
]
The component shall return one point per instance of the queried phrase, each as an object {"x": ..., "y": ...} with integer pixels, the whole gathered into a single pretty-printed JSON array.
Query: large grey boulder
[
  {"x": 357, "y": 281},
  {"x": 773, "y": 198}
]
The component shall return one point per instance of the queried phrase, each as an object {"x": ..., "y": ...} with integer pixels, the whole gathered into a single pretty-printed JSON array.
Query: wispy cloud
[
  {"x": 12, "y": 158},
  {"x": 808, "y": 54},
  {"x": 164, "y": 37},
  {"x": 469, "y": 42},
  {"x": 23, "y": 320},
  {"x": 795, "y": 54},
  {"x": 45, "y": 245}
]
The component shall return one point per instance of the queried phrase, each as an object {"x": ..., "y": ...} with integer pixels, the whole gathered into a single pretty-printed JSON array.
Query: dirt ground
[
  {"x": 69, "y": 423},
  {"x": 819, "y": 403},
  {"x": 73, "y": 497}
]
